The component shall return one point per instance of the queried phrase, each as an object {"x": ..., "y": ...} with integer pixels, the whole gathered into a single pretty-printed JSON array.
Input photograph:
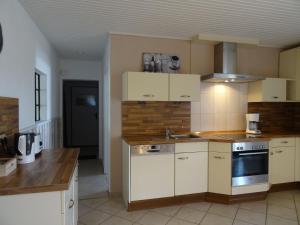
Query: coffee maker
[
  {"x": 252, "y": 123},
  {"x": 25, "y": 148}
]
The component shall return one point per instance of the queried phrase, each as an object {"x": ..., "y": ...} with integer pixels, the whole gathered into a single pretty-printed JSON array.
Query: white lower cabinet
[
  {"x": 46, "y": 208},
  {"x": 297, "y": 160},
  {"x": 191, "y": 173},
  {"x": 152, "y": 176},
  {"x": 282, "y": 165}
]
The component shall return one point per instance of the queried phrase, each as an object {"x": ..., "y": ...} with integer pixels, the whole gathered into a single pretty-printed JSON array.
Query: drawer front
[
  {"x": 283, "y": 142},
  {"x": 191, "y": 147}
]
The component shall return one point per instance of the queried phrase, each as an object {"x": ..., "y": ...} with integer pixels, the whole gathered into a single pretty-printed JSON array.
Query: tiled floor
[
  {"x": 280, "y": 208},
  {"x": 92, "y": 181}
]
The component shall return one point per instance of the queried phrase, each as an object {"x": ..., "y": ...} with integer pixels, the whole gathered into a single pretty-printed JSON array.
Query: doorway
[{"x": 81, "y": 130}]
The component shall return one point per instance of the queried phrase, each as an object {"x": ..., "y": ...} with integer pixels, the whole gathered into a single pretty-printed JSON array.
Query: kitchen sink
[{"x": 178, "y": 136}]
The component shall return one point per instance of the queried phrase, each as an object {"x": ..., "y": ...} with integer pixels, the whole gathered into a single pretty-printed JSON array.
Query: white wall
[
  {"x": 222, "y": 107},
  {"x": 25, "y": 48},
  {"x": 80, "y": 69}
]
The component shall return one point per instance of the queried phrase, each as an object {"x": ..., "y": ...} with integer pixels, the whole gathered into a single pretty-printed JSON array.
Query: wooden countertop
[
  {"x": 51, "y": 171},
  {"x": 214, "y": 136}
]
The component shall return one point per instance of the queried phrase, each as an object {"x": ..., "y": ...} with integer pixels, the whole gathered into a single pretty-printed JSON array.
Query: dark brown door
[{"x": 81, "y": 125}]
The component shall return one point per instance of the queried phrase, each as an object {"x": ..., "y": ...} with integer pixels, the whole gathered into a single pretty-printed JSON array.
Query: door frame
[{"x": 63, "y": 127}]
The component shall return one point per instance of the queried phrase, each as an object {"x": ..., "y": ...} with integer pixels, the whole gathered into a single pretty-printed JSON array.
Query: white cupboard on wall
[
  {"x": 289, "y": 68},
  {"x": 47, "y": 208},
  {"x": 143, "y": 86},
  {"x": 219, "y": 176},
  {"x": 268, "y": 90},
  {"x": 184, "y": 87},
  {"x": 282, "y": 160},
  {"x": 191, "y": 168},
  {"x": 140, "y": 86}
]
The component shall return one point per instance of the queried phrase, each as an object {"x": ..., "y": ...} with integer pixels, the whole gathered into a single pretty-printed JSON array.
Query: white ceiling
[{"x": 78, "y": 28}]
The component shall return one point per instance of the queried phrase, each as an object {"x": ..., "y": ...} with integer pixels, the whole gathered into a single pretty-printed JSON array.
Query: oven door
[{"x": 250, "y": 167}]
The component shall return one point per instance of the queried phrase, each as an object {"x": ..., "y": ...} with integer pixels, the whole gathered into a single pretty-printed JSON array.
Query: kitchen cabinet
[
  {"x": 184, "y": 87},
  {"x": 282, "y": 161},
  {"x": 47, "y": 208},
  {"x": 219, "y": 175},
  {"x": 191, "y": 165},
  {"x": 268, "y": 90},
  {"x": 289, "y": 68},
  {"x": 141, "y": 86}
]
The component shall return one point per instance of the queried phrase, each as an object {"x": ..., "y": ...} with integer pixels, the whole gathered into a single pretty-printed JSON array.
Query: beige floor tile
[
  {"x": 224, "y": 210},
  {"x": 282, "y": 212},
  {"x": 153, "y": 218},
  {"x": 202, "y": 206},
  {"x": 283, "y": 202},
  {"x": 112, "y": 206},
  {"x": 83, "y": 209},
  {"x": 251, "y": 217},
  {"x": 168, "y": 211},
  {"x": 239, "y": 222},
  {"x": 190, "y": 215},
  {"x": 131, "y": 216},
  {"x": 259, "y": 206},
  {"x": 94, "y": 217},
  {"x": 94, "y": 202},
  {"x": 116, "y": 221},
  {"x": 175, "y": 221},
  {"x": 274, "y": 220},
  {"x": 211, "y": 219}
]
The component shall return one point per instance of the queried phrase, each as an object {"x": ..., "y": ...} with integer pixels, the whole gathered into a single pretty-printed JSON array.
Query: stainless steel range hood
[{"x": 225, "y": 68}]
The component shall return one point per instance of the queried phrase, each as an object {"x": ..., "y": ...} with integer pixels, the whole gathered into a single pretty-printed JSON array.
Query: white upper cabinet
[
  {"x": 289, "y": 68},
  {"x": 140, "y": 86},
  {"x": 268, "y": 90},
  {"x": 184, "y": 87}
]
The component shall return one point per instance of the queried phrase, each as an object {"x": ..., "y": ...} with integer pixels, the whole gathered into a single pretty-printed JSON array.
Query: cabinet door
[
  {"x": 282, "y": 165},
  {"x": 288, "y": 63},
  {"x": 152, "y": 176},
  {"x": 184, "y": 87},
  {"x": 146, "y": 86},
  {"x": 75, "y": 197},
  {"x": 69, "y": 204},
  {"x": 219, "y": 178},
  {"x": 191, "y": 173},
  {"x": 274, "y": 90}
]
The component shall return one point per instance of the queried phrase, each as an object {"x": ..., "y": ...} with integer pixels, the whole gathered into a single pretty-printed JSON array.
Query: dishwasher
[{"x": 152, "y": 171}]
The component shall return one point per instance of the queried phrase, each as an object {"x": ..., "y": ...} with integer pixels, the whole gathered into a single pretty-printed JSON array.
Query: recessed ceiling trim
[{"x": 226, "y": 38}]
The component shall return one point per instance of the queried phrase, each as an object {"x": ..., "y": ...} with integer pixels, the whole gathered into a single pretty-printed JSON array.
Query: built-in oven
[{"x": 250, "y": 163}]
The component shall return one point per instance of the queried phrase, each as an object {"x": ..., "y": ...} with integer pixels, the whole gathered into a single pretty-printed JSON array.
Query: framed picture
[{"x": 161, "y": 63}]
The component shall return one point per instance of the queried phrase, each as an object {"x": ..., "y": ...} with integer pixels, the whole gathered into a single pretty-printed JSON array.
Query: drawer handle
[
  {"x": 183, "y": 158},
  {"x": 219, "y": 157},
  {"x": 271, "y": 153},
  {"x": 284, "y": 142},
  {"x": 278, "y": 151},
  {"x": 275, "y": 97},
  {"x": 148, "y": 96},
  {"x": 71, "y": 204},
  {"x": 185, "y": 96}
]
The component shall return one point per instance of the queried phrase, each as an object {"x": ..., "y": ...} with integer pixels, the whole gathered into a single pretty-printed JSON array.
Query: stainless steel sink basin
[{"x": 177, "y": 136}]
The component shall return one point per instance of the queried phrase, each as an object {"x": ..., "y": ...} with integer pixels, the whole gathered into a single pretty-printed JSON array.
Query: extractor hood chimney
[{"x": 225, "y": 67}]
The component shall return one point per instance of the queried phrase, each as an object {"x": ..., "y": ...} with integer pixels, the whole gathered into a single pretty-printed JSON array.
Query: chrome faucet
[{"x": 169, "y": 132}]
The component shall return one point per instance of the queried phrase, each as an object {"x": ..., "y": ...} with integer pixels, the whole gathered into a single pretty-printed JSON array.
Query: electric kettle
[{"x": 25, "y": 148}]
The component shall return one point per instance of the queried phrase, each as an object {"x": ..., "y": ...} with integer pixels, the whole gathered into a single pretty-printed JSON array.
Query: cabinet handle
[
  {"x": 284, "y": 142},
  {"x": 219, "y": 157},
  {"x": 185, "y": 96},
  {"x": 278, "y": 151},
  {"x": 271, "y": 153},
  {"x": 148, "y": 96},
  {"x": 71, "y": 204},
  {"x": 275, "y": 97},
  {"x": 183, "y": 158}
]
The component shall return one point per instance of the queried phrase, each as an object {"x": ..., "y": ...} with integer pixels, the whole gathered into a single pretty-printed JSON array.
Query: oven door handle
[{"x": 254, "y": 153}]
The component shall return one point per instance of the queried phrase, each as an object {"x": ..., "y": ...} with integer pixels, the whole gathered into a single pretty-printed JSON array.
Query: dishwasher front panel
[{"x": 152, "y": 176}]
